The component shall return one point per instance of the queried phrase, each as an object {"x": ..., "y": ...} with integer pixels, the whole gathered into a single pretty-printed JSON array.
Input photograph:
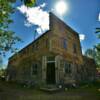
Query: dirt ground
[{"x": 12, "y": 91}]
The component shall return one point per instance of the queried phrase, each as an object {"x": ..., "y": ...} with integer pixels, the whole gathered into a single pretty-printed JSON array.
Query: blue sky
[{"x": 82, "y": 16}]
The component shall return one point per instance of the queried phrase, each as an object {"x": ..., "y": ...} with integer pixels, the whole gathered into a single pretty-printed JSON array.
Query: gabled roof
[
  {"x": 31, "y": 43},
  {"x": 52, "y": 17}
]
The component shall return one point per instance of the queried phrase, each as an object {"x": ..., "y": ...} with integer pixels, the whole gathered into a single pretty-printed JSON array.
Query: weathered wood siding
[{"x": 51, "y": 44}]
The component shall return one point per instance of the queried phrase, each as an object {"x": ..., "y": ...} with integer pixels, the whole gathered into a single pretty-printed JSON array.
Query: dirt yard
[{"x": 12, "y": 91}]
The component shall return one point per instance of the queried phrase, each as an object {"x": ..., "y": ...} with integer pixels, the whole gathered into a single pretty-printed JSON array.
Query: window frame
[
  {"x": 74, "y": 48},
  {"x": 67, "y": 67},
  {"x": 64, "y": 43},
  {"x": 34, "y": 69}
]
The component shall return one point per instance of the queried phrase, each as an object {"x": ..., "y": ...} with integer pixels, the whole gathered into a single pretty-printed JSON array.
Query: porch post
[
  {"x": 44, "y": 65},
  {"x": 57, "y": 67}
]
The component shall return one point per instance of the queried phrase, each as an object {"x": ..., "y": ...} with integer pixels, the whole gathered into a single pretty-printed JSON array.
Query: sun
[{"x": 61, "y": 7}]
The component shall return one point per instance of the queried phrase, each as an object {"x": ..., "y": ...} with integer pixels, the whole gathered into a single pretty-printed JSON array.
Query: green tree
[
  {"x": 7, "y": 37},
  {"x": 95, "y": 54},
  {"x": 1, "y": 62},
  {"x": 98, "y": 46},
  {"x": 98, "y": 32},
  {"x": 2, "y": 73},
  {"x": 98, "y": 54},
  {"x": 29, "y": 3},
  {"x": 91, "y": 53}
]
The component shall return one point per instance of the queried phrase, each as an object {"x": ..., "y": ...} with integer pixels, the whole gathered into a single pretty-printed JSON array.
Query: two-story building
[{"x": 53, "y": 58}]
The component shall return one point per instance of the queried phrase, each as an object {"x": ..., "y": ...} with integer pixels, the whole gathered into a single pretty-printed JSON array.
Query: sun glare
[{"x": 61, "y": 7}]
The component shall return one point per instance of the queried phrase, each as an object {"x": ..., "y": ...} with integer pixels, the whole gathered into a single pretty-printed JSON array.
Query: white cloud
[
  {"x": 99, "y": 17},
  {"x": 82, "y": 37},
  {"x": 39, "y": 30},
  {"x": 36, "y": 16}
]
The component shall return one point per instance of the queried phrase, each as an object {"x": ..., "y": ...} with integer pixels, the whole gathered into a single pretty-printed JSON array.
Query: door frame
[
  {"x": 53, "y": 81},
  {"x": 50, "y": 60}
]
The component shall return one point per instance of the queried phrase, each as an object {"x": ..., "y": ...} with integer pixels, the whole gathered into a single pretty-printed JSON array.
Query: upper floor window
[
  {"x": 65, "y": 43},
  {"x": 74, "y": 48},
  {"x": 34, "y": 69}
]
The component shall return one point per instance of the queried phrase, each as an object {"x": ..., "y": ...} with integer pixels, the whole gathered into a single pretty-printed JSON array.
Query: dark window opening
[
  {"x": 74, "y": 48},
  {"x": 34, "y": 69},
  {"x": 67, "y": 68}
]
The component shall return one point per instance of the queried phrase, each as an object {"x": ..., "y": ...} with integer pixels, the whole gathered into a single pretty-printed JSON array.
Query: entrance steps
[{"x": 50, "y": 88}]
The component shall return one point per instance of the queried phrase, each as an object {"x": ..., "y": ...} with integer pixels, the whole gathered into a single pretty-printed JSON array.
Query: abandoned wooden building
[{"x": 53, "y": 58}]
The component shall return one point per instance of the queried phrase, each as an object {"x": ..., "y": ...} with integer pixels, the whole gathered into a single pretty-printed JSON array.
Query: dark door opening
[{"x": 50, "y": 74}]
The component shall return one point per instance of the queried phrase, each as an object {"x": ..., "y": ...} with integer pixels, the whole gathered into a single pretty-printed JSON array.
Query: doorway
[{"x": 50, "y": 74}]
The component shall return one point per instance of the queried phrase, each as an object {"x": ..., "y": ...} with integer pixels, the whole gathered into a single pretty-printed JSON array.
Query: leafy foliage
[
  {"x": 1, "y": 61},
  {"x": 98, "y": 54},
  {"x": 7, "y": 37},
  {"x": 98, "y": 32},
  {"x": 98, "y": 46},
  {"x": 90, "y": 53},
  {"x": 2, "y": 73},
  {"x": 95, "y": 54},
  {"x": 29, "y": 3}
]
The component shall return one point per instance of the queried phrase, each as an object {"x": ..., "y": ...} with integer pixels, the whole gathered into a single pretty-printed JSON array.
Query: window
[
  {"x": 67, "y": 68},
  {"x": 64, "y": 43},
  {"x": 74, "y": 48},
  {"x": 34, "y": 69}
]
